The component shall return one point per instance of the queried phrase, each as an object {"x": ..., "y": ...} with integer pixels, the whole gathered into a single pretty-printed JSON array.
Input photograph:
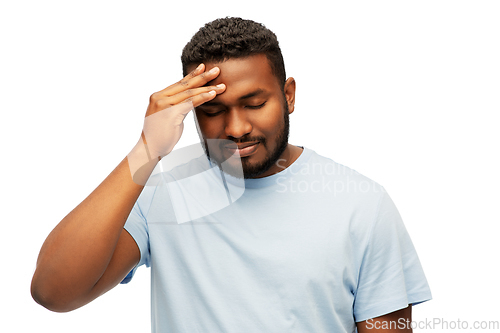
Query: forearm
[
  {"x": 80, "y": 258},
  {"x": 77, "y": 252}
]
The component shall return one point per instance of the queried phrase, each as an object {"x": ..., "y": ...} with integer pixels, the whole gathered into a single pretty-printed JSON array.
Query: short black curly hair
[{"x": 233, "y": 37}]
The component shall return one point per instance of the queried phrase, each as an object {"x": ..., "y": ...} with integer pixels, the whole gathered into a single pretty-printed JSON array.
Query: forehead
[{"x": 243, "y": 74}]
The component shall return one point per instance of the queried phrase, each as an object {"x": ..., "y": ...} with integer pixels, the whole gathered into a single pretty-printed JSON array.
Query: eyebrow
[
  {"x": 252, "y": 94},
  {"x": 247, "y": 96}
]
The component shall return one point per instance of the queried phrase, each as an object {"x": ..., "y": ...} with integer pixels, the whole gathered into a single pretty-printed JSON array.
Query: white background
[{"x": 407, "y": 93}]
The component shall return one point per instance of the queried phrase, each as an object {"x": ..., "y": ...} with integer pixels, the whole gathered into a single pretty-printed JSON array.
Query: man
[{"x": 309, "y": 246}]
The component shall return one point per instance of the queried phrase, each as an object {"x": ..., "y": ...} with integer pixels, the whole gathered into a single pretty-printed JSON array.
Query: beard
[{"x": 256, "y": 169}]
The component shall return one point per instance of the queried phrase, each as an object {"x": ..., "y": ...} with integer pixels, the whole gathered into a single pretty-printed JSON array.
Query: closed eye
[
  {"x": 255, "y": 107},
  {"x": 212, "y": 113}
]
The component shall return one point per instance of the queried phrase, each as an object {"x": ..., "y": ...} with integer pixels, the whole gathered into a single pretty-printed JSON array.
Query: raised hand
[{"x": 164, "y": 121}]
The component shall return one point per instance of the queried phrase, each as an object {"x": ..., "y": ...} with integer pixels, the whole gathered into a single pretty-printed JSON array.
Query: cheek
[{"x": 270, "y": 120}]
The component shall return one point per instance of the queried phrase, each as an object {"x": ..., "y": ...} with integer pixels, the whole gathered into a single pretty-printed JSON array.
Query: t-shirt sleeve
[
  {"x": 390, "y": 276},
  {"x": 137, "y": 227}
]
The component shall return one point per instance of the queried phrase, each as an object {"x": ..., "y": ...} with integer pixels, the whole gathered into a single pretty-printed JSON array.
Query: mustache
[
  {"x": 242, "y": 140},
  {"x": 214, "y": 147}
]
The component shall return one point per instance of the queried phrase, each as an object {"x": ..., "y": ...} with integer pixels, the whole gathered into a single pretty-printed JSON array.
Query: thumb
[{"x": 163, "y": 129}]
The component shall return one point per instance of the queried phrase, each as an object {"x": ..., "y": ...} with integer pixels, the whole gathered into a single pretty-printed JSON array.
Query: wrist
[{"x": 141, "y": 162}]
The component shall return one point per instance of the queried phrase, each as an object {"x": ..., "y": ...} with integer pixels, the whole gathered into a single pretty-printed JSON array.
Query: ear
[{"x": 289, "y": 90}]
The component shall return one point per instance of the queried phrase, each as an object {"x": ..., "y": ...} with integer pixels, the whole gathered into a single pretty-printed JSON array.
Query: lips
[{"x": 242, "y": 149}]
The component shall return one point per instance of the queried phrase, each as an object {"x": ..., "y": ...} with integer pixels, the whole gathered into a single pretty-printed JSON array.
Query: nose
[{"x": 236, "y": 124}]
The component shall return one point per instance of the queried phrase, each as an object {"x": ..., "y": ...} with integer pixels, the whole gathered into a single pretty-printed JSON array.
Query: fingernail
[
  {"x": 222, "y": 85},
  {"x": 199, "y": 67},
  {"x": 214, "y": 70}
]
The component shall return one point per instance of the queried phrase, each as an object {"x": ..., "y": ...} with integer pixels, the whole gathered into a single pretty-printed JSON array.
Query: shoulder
[
  {"x": 342, "y": 179},
  {"x": 351, "y": 197}
]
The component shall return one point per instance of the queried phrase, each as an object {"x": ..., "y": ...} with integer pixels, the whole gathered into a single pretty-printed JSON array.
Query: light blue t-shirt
[{"x": 316, "y": 248}]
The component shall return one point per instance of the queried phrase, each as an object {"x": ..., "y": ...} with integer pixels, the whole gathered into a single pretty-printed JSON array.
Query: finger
[
  {"x": 195, "y": 79},
  {"x": 197, "y": 71},
  {"x": 190, "y": 93},
  {"x": 160, "y": 103},
  {"x": 199, "y": 99}
]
